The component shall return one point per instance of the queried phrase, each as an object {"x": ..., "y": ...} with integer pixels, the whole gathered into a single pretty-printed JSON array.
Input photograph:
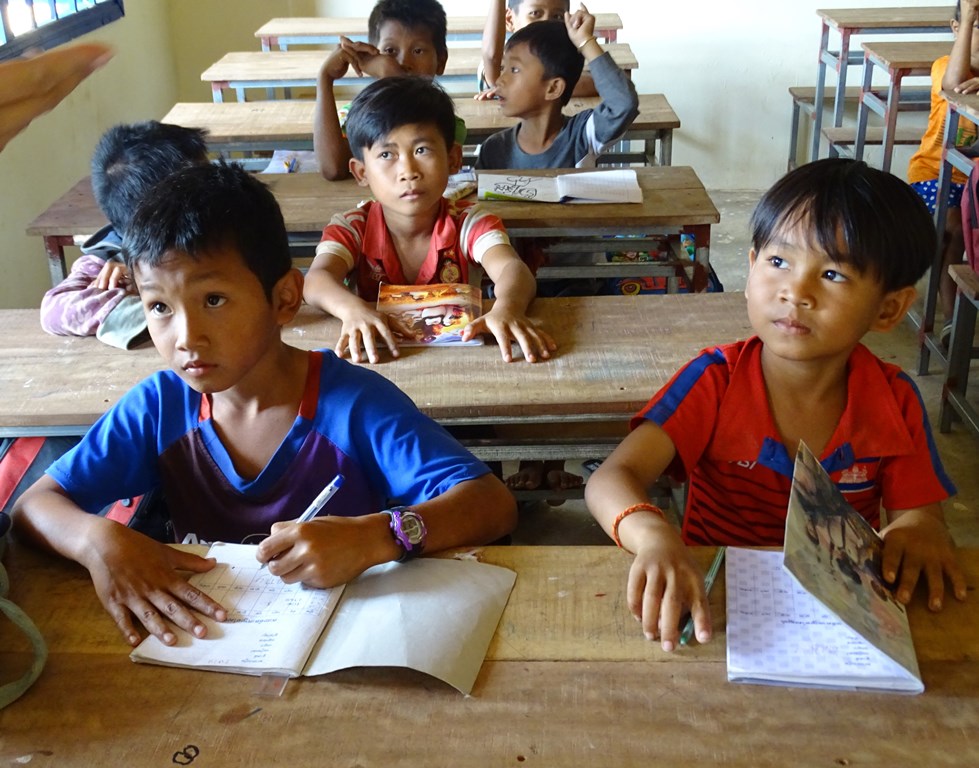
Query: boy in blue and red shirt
[{"x": 837, "y": 250}]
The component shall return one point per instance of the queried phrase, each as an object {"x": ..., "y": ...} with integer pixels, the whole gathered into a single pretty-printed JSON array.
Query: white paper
[
  {"x": 436, "y": 616},
  {"x": 780, "y": 634},
  {"x": 612, "y": 186},
  {"x": 271, "y": 625}
]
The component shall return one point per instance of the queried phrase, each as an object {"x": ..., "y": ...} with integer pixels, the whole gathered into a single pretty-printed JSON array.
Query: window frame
[{"x": 59, "y": 30}]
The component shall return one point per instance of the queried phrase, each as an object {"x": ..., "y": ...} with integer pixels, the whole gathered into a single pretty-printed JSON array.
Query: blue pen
[
  {"x": 708, "y": 583},
  {"x": 319, "y": 502}
]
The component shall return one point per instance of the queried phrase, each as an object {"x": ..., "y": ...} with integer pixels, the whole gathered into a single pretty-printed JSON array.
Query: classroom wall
[{"x": 42, "y": 163}]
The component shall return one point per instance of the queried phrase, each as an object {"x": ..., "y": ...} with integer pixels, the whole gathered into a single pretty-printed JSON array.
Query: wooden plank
[
  {"x": 615, "y": 352},
  {"x": 914, "y": 55},
  {"x": 869, "y": 19},
  {"x": 845, "y": 136}
]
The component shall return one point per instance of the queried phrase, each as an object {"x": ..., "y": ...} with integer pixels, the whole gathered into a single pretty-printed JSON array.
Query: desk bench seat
[{"x": 839, "y": 138}]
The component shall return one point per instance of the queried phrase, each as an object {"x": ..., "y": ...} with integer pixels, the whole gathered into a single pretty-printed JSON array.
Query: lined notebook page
[{"x": 780, "y": 634}]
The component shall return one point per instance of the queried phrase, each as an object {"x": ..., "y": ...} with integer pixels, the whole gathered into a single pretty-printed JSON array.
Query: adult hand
[{"x": 29, "y": 87}]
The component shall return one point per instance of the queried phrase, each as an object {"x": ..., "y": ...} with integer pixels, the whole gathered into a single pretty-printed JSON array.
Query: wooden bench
[
  {"x": 840, "y": 138},
  {"x": 960, "y": 351}
]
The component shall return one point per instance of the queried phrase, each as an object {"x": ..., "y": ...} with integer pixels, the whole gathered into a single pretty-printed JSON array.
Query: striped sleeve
[
  {"x": 344, "y": 236},
  {"x": 480, "y": 231}
]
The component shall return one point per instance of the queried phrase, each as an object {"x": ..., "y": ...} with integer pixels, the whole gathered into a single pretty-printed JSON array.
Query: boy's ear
[
  {"x": 893, "y": 307},
  {"x": 443, "y": 59},
  {"x": 358, "y": 170},
  {"x": 455, "y": 157},
  {"x": 287, "y": 296},
  {"x": 555, "y": 88}
]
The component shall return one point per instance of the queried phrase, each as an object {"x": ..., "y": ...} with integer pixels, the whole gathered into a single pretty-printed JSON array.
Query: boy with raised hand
[
  {"x": 837, "y": 248},
  {"x": 401, "y": 131},
  {"x": 407, "y": 37},
  {"x": 242, "y": 431},
  {"x": 541, "y": 64}
]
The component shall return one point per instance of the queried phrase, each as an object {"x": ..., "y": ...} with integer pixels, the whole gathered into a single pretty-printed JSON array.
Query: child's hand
[
  {"x": 506, "y": 327},
  {"x": 918, "y": 541},
  {"x": 112, "y": 275},
  {"x": 969, "y": 86},
  {"x": 135, "y": 576},
  {"x": 361, "y": 326},
  {"x": 580, "y": 26},
  {"x": 322, "y": 553},
  {"x": 348, "y": 55},
  {"x": 664, "y": 582},
  {"x": 490, "y": 93}
]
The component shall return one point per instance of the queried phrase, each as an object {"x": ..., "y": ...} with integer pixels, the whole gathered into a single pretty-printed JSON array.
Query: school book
[
  {"x": 433, "y": 615},
  {"x": 612, "y": 186},
  {"x": 818, "y": 614},
  {"x": 430, "y": 314}
]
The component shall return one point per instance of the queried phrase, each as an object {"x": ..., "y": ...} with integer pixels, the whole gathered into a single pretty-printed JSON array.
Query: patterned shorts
[{"x": 928, "y": 191}]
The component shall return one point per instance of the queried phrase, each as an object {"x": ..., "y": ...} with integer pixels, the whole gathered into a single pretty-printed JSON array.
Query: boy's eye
[
  {"x": 385, "y": 155},
  {"x": 833, "y": 276},
  {"x": 422, "y": 151},
  {"x": 157, "y": 308},
  {"x": 213, "y": 300},
  {"x": 777, "y": 261},
  {"x": 390, "y": 52}
]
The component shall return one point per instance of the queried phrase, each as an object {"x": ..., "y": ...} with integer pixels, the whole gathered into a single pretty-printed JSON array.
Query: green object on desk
[{"x": 715, "y": 566}]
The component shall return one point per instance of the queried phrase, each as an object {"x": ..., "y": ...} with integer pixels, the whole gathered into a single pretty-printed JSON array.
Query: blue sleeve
[{"x": 118, "y": 457}]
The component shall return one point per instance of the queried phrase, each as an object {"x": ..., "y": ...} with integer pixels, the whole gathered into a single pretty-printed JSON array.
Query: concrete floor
[{"x": 570, "y": 523}]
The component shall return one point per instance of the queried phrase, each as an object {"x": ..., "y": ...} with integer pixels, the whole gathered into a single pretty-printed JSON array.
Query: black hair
[
  {"x": 514, "y": 4},
  {"x": 549, "y": 43},
  {"x": 958, "y": 10},
  {"x": 411, "y": 14},
  {"x": 855, "y": 214},
  {"x": 131, "y": 158},
  {"x": 202, "y": 209},
  {"x": 391, "y": 102}
]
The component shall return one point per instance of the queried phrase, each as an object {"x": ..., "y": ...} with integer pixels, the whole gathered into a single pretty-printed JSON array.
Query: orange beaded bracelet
[{"x": 643, "y": 507}]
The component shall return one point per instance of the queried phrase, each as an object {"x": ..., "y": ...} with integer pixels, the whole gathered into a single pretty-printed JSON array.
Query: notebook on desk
[
  {"x": 818, "y": 614},
  {"x": 433, "y": 615}
]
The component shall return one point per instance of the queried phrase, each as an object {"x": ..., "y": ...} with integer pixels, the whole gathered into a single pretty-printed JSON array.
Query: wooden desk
[
  {"x": 615, "y": 352},
  {"x": 899, "y": 60},
  {"x": 288, "y": 124},
  {"x": 848, "y": 22},
  {"x": 297, "y": 69},
  {"x": 317, "y": 30},
  {"x": 959, "y": 105},
  {"x": 568, "y": 681},
  {"x": 674, "y": 199}
]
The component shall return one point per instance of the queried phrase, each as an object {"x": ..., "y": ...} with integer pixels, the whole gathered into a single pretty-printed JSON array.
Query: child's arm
[
  {"x": 134, "y": 576},
  {"x": 333, "y": 550},
  {"x": 494, "y": 34},
  {"x": 332, "y": 149},
  {"x": 360, "y": 323},
  {"x": 959, "y": 68},
  {"x": 515, "y": 288},
  {"x": 664, "y": 580},
  {"x": 620, "y": 103},
  {"x": 917, "y": 541}
]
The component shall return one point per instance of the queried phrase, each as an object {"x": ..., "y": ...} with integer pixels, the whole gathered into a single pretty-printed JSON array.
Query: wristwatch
[{"x": 409, "y": 531}]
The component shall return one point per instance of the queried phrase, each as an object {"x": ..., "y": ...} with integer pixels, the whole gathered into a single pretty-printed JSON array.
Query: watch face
[{"x": 412, "y": 527}]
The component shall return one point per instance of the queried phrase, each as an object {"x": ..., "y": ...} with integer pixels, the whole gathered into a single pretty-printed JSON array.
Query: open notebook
[
  {"x": 818, "y": 614},
  {"x": 433, "y": 615},
  {"x": 612, "y": 186}
]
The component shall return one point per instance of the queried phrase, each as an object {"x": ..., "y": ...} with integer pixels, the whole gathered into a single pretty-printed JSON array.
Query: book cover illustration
[
  {"x": 835, "y": 555},
  {"x": 431, "y": 314}
]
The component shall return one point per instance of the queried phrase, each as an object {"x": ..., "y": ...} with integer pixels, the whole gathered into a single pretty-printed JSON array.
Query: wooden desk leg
[
  {"x": 665, "y": 147},
  {"x": 890, "y": 117},
  {"x": 927, "y": 322},
  {"x": 794, "y": 136},
  {"x": 864, "y": 109},
  {"x": 267, "y": 43},
  {"x": 957, "y": 372},
  {"x": 217, "y": 92},
  {"x": 54, "y": 246},
  {"x": 820, "y": 91}
]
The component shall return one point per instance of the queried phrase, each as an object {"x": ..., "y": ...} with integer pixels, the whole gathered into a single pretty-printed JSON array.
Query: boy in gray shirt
[{"x": 542, "y": 62}]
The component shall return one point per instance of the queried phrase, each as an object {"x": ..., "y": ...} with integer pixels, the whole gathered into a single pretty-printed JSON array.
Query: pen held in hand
[
  {"x": 319, "y": 502},
  {"x": 715, "y": 566}
]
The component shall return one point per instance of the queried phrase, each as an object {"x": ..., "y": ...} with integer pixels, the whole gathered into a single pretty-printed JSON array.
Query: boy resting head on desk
[
  {"x": 837, "y": 248},
  {"x": 506, "y": 16},
  {"x": 98, "y": 298},
  {"x": 243, "y": 431},
  {"x": 406, "y": 37},
  {"x": 401, "y": 131},
  {"x": 541, "y": 64}
]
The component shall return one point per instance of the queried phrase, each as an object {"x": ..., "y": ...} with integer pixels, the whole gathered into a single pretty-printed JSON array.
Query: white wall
[{"x": 725, "y": 67}]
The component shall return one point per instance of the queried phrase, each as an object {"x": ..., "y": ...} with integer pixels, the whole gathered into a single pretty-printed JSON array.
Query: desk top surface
[
  {"x": 568, "y": 680},
  {"x": 672, "y": 195},
  {"x": 292, "y": 66},
  {"x": 871, "y": 19},
  {"x": 967, "y": 104},
  {"x": 331, "y": 26},
  {"x": 292, "y": 120},
  {"x": 913, "y": 54},
  {"x": 615, "y": 352}
]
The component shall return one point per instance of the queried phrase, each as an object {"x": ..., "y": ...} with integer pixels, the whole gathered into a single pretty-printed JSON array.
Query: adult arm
[
  {"x": 494, "y": 34},
  {"x": 959, "y": 69}
]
